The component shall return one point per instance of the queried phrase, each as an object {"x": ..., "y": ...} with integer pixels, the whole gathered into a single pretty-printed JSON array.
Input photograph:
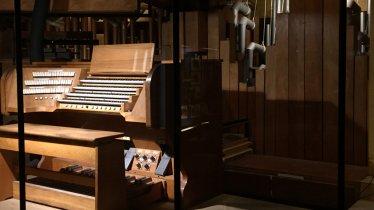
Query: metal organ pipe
[
  {"x": 248, "y": 69},
  {"x": 369, "y": 17},
  {"x": 286, "y": 6},
  {"x": 244, "y": 24},
  {"x": 242, "y": 8},
  {"x": 363, "y": 22},
  {"x": 273, "y": 21},
  {"x": 349, "y": 3},
  {"x": 363, "y": 35},
  {"x": 252, "y": 48},
  {"x": 279, "y": 6}
]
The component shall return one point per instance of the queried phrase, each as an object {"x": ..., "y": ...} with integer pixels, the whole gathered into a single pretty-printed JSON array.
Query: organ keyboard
[
  {"x": 42, "y": 88},
  {"x": 103, "y": 94}
]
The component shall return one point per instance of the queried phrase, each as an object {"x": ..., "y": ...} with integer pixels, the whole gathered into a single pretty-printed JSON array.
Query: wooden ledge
[
  {"x": 13, "y": 204},
  {"x": 306, "y": 169},
  {"x": 59, "y": 134}
]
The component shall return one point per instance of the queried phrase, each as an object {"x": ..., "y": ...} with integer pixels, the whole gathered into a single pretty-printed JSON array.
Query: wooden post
[
  {"x": 75, "y": 23},
  {"x": 106, "y": 32},
  {"x": 84, "y": 54},
  {"x": 132, "y": 23},
  {"x": 124, "y": 31}
]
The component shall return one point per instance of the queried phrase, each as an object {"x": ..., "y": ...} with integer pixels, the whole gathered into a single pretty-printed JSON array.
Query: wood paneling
[
  {"x": 214, "y": 34},
  {"x": 234, "y": 92},
  {"x": 225, "y": 56},
  {"x": 349, "y": 102},
  {"x": 296, "y": 74},
  {"x": 281, "y": 88},
  {"x": 360, "y": 110},
  {"x": 293, "y": 108},
  {"x": 313, "y": 80},
  {"x": 270, "y": 97},
  {"x": 330, "y": 79},
  {"x": 259, "y": 112}
]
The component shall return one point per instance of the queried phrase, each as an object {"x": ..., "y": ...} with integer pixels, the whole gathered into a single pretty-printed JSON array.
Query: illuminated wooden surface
[{"x": 85, "y": 145}]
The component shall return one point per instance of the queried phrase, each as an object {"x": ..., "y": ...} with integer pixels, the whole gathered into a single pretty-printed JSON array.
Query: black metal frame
[
  {"x": 341, "y": 103},
  {"x": 177, "y": 109},
  {"x": 177, "y": 122},
  {"x": 21, "y": 129}
]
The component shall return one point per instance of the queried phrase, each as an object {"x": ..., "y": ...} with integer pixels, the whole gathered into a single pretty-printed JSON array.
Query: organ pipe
[
  {"x": 242, "y": 8},
  {"x": 244, "y": 24}
]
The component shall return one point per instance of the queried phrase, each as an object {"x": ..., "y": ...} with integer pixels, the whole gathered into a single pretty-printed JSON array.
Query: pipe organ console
[{"x": 107, "y": 127}]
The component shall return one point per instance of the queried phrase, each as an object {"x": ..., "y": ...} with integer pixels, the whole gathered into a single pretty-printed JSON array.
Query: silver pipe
[
  {"x": 242, "y": 8},
  {"x": 279, "y": 6},
  {"x": 252, "y": 48},
  {"x": 369, "y": 6},
  {"x": 286, "y": 6},
  {"x": 244, "y": 24},
  {"x": 369, "y": 17},
  {"x": 363, "y": 22},
  {"x": 273, "y": 21},
  {"x": 268, "y": 35},
  {"x": 248, "y": 69},
  {"x": 349, "y": 3}
]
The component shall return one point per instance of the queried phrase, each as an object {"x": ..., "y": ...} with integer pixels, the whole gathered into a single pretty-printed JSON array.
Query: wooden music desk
[{"x": 82, "y": 145}]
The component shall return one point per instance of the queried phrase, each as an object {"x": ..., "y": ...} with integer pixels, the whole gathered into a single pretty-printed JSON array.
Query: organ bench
[{"x": 81, "y": 145}]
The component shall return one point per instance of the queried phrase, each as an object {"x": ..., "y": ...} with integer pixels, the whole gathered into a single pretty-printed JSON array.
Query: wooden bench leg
[
  {"x": 110, "y": 177},
  {"x": 7, "y": 174}
]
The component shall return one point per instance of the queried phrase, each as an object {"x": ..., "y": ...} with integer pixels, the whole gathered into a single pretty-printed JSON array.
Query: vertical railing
[
  {"x": 177, "y": 106},
  {"x": 21, "y": 137},
  {"x": 341, "y": 101}
]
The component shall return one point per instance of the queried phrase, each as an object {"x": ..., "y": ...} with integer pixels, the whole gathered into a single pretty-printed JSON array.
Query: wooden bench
[
  {"x": 296, "y": 181},
  {"x": 82, "y": 145}
]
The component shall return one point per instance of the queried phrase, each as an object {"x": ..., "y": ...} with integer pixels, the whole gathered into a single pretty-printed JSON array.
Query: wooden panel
[
  {"x": 281, "y": 88},
  {"x": 308, "y": 169},
  {"x": 55, "y": 197},
  {"x": 258, "y": 113},
  {"x": 360, "y": 110},
  {"x": 196, "y": 31},
  {"x": 349, "y": 102},
  {"x": 7, "y": 159},
  {"x": 234, "y": 90},
  {"x": 8, "y": 5},
  {"x": 270, "y": 97},
  {"x": 13, "y": 204},
  {"x": 243, "y": 101},
  {"x": 109, "y": 177},
  {"x": 316, "y": 195},
  {"x": 296, "y": 75},
  {"x": 225, "y": 56},
  {"x": 60, "y": 134},
  {"x": 330, "y": 79},
  {"x": 84, "y": 154},
  {"x": 213, "y": 34},
  {"x": 313, "y": 80},
  {"x": 98, "y": 6},
  {"x": 123, "y": 58},
  {"x": 62, "y": 177},
  {"x": 247, "y": 184}
]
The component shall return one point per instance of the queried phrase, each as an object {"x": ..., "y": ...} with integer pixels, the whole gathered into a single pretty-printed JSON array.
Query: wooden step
[
  {"x": 13, "y": 204},
  {"x": 241, "y": 145},
  {"x": 55, "y": 197}
]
